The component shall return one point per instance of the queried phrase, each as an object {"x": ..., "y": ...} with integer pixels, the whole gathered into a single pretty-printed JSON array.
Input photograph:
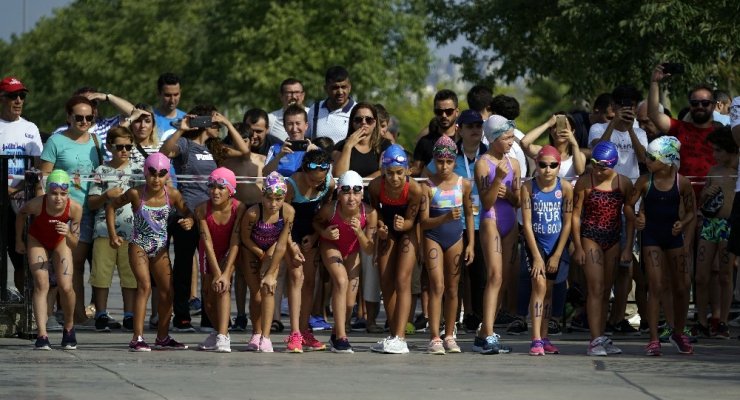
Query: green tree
[
  {"x": 591, "y": 46},
  {"x": 233, "y": 54}
]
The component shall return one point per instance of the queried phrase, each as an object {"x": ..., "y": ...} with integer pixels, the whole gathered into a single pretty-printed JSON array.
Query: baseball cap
[
  {"x": 11, "y": 84},
  {"x": 469, "y": 117}
]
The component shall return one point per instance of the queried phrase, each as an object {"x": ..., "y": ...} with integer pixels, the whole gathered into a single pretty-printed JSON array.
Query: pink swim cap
[
  {"x": 156, "y": 161},
  {"x": 549, "y": 150},
  {"x": 224, "y": 177}
]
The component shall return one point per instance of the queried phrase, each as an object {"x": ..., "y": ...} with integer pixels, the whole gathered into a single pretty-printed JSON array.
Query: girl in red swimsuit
[
  {"x": 346, "y": 226},
  {"x": 51, "y": 238}
]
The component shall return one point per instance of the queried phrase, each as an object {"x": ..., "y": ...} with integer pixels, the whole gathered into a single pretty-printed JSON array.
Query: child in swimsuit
[
  {"x": 53, "y": 233},
  {"x": 346, "y": 226},
  {"x": 667, "y": 209},
  {"x": 265, "y": 235},
  {"x": 445, "y": 193},
  {"x": 599, "y": 199},
  {"x": 497, "y": 177},
  {"x": 148, "y": 248},
  {"x": 547, "y": 204},
  {"x": 308, "y": 190},
  {"x": 217, "y": 252},
  {"x": 397, "y": 199}
]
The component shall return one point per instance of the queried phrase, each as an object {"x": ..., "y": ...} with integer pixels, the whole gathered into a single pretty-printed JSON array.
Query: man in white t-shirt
[
  {"x": 21, "y": 138},
  {"x": 624, "y": 132},
  {"x": 291, "y": 92},
  {"x": 330, "y": 117}
]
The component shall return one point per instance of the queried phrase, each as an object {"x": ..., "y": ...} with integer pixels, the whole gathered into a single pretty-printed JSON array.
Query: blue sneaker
[
  {"x": 489, "y": 345},
  {"x": 69, "y": 339},
  {"x": 340, "y": 345},
  {"x": 42, "y": 343},
  {"x": 318, "y": 323},
  {"x": 196, "y": 306}
]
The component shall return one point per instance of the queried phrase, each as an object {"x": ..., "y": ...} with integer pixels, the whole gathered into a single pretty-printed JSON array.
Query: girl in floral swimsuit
[{"x": 148, "y": 249}]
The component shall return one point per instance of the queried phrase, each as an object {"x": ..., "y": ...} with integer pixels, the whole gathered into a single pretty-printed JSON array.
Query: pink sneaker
[
  {"x": 536, "y": 348},
  {"x": 682, "y": 344},
  {"x": 549, "y": 347},
  {"x": 266, "y": 345},
  {"x": 294, "y": 341},
  {"x": 254, "y": 342},
  {"x": 310, "y": 343},
  {"x": 653, "y": 349}
]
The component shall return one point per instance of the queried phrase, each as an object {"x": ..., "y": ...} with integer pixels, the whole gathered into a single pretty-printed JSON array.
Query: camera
[
  {"x": 673, "y": 68},
  {"x": 298, "y": 145}
]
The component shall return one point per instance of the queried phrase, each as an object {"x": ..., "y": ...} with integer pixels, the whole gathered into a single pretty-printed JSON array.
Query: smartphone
[
  {"x": 200, "y": 122},
  {"x": 673, "y": 68},
  {"x": 298, "y": 145},
  {"x": 176, "y": 123},
  {"x": 626, "y": 103},
  {"x": 560, "y": 124}
]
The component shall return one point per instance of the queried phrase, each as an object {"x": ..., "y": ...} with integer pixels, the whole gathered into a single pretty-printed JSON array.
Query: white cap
[
  {"x": 350, "y": 178},
  {"x": 495, "y": 126}
]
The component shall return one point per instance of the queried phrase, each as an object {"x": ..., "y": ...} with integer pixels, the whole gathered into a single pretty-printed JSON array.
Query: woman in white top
[{"x": 562, "y": 138}]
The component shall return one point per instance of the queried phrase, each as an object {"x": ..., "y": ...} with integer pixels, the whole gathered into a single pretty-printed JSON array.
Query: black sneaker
[
  {"x": 608, "y": 329},
  {"x": 128, "y": 324},
  {"x": 101, "y": 323},
  {"x": 470, "y": 322},
  {"x": 700, "y": 330},
  {"x": 517, "y": 327},
  {"x": 625, "y": 328},
  {"x": 112, "y": 323},
  {"x": 503, "y": 319},
  {"x": 69, "y": 339},
  {"x": 644, "y": 326},
  {"x": 553, "y": 328},
  {"x": 579, "y": 323},
  {"x": 421, "y": 323},
  {"x": 240, "y": 323},
  {"x": 182, "y": 326}
]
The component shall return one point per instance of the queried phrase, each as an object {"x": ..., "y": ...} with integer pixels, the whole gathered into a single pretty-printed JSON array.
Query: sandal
[{"x": 277, "y": 326}]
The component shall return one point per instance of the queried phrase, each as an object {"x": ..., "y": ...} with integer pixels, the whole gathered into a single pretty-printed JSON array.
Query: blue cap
[
  {"x": 606, "y": 152},
  {"x": 395, "y": 156},
  {"x": 469, "y": 117}
]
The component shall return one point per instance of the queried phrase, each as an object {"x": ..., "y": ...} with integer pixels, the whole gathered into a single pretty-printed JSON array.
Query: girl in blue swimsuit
[
  {"x": 497, "y": 177},
  {"x": 147, "y": 251},
  {"x": 444, "y": 194}
]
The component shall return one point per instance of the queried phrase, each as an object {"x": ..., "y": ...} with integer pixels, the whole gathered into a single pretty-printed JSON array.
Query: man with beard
[
  {"x": 166, "y": 112},
  {"x": 330, "y": 117},
  {"x": 255, "y": 125},
  {"x": 696, "y": 151},
  {"x": 291, "y": 92},
  {"x": 445, "y": 116}
]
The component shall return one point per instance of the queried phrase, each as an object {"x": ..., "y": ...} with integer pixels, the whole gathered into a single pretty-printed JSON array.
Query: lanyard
[{"x": 467, "y": 166}]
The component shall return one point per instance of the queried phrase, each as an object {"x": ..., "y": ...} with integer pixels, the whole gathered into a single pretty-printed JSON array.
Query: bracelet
[{"x": 107, "y": 97}]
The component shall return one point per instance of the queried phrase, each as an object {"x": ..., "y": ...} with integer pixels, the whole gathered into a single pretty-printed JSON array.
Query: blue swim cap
[
  {"x": 395, "y": 156},
  {"x": 606, "y": 152}
]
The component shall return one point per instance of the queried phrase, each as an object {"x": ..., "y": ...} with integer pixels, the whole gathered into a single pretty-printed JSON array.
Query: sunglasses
[
  {"x": 219, "y": 183},
  {"x": 84, "y": 118},
  {"x": 600, "y": 163},
  {"x": 544, "y": 165},
  {"x": 120, "y": 147},
  {"x": 313, "y": 166},
  {"x": 446, "y": 111},
  {"x": 703, "y": 103},
  {"x": 361, "y": 118},
  {"x": 651, "y": 157},
  {"x": 398, "y": 159},
  {"x": 54, "y": 186},
  {"x": 161, "y": 173},
  {"x": 348, "y": 188},
  {"x": 15, "y": 95}
]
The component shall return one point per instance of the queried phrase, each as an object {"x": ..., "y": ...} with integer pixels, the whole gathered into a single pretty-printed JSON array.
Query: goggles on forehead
[
  {"x": 54, "y": 186},
  {"x": 314, "y": 166}
]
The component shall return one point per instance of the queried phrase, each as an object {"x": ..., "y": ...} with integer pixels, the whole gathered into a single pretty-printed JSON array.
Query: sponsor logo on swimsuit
[{"x": 558, "y": 194}]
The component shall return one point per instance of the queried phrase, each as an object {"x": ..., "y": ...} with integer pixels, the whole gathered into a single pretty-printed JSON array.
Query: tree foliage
[
  {"x": 592, "y": 46},
  {"x": 233, "y": 54}
]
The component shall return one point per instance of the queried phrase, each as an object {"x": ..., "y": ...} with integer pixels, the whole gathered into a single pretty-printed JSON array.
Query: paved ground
[{"x": 103, "y": 368}]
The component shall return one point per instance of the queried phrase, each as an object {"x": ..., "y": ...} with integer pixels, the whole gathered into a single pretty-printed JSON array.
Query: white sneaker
[
  {"x": 395, "y": 345},
  {"x": 210, "y": 343},
  {"x": 596, "y": 347},
  {"x": 223, "y": 344},
  {"x": 610, "y": 347},
  {"x": 735, "y": 322},
  {"x": 379, "y": 347}
]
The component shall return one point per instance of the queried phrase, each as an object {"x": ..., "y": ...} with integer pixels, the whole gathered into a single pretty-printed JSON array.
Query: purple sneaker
[
  {"x": 69, "y": 339},
  {"x": 138, "y": 345},
  {"x": 537, "y": 348},
  {"x": 168, "y": 343},
  {"x": 549, "y": 347}
]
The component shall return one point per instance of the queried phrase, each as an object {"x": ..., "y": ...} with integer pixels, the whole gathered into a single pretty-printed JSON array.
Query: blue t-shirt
[
  {"x": 75, "y": 158},
  {"x": 466, "y": 169},
  {"x": 164, "y": 128},
  {"x": 289, "y": 164}
]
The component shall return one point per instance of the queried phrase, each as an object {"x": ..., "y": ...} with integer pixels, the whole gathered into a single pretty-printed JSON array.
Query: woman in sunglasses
[
  {"x": 55, "y": 230},
  {"x": 360, "y": 151},
  {"x": 445, "y": 194},
  {"x": 217, "y": 252},
  {"x": 547, "y": 204},
  {"x": 78, "y": 152},
  {"x": 397, "y": 198},
  {"x": 600, "y": 198},
  {"x": 195, "y": 152},
  {"x": 265, "y": 234},
  {"x": 308, "y": 190},
  {"x": 346, "y": 227},
  {"x": 148, "y": 253},
  {"x": 561, "y": 136},
  {"x": 668, "y": 208}
]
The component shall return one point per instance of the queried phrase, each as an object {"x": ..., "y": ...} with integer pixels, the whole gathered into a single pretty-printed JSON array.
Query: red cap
[
  {"x": 11, "y": 84},
  {"x": 549, "y": 150}
]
